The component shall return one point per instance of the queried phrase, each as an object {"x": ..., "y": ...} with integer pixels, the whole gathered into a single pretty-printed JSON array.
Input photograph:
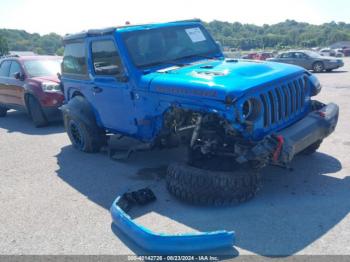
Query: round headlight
[{"x": 251, "y": 109}]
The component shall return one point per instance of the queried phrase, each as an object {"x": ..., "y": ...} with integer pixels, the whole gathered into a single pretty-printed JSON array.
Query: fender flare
[{"x": 80, "y": 108}]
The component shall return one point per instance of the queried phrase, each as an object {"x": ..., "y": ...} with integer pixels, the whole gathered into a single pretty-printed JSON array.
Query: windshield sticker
[{"x": 195, "y": 34}]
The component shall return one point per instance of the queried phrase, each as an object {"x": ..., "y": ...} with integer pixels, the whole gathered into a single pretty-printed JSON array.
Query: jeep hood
[{"x": 217, "y": 79}]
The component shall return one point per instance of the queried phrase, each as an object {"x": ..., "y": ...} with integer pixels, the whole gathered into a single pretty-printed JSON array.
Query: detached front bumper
[
  {"x": 164, "y": 243},
  {"x": 316, "y": 126}
]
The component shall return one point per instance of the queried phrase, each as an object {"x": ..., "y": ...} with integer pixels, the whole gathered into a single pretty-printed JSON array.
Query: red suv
[{"x": 30, "y": 83}]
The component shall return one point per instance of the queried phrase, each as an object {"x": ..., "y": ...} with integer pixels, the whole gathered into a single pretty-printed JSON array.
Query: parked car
[
  {"x": 309, "y": 60},
  {"x": 346, "y": 51},
  {"x": 31, "y": 84},
  {"x": 250, "y": 56},
  {"x": 167, "y": 84},
  {"x": 264, "y": 55},
  {"x": 331, "y": 52}
]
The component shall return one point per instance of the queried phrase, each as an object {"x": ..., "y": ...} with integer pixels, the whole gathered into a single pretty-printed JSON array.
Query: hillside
[
  {"x": 242, "y": 36},
  {"x": 20, "y": 40}
]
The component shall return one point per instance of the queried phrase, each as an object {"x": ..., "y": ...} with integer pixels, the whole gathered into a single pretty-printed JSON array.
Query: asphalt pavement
[{"x": 55, "y": 200}]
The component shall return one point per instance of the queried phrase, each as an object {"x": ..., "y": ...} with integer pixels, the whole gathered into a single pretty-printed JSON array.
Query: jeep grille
[{"x": 283, "y": 102}]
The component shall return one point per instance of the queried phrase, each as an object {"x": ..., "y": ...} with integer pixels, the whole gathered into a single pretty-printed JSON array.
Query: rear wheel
[
  {"x": 36, "y": 112},
  {"x": 318, "y": 67},
  {"x": 84, "y": 137},
  {"x": 3, "y": 111}
]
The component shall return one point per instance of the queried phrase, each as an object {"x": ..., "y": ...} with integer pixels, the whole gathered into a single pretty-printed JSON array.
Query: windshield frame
[
  {"x": 28, "y": 73},
  {"x": 215, "y": 53}
]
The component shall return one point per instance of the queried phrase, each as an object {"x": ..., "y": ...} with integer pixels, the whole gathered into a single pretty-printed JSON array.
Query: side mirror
[{"x": 19, "y": 76}]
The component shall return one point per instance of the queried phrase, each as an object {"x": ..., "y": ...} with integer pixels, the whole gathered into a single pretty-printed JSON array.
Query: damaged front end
[
  {"x": 210, "y": 136},
  {"x": 159, "y": 242},
  {"x": 281, "y": 147}
]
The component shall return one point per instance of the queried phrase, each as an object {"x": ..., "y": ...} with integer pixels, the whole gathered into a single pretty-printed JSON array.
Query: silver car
[{"x": 309, "y": 60}]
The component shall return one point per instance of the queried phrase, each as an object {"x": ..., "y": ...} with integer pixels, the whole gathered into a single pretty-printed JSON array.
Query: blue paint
[
  {"x": 136, "y": 107},
  {"x": 165, "y": 243}
]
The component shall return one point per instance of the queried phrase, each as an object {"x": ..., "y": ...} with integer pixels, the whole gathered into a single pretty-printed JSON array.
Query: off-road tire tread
[{"x": 204, "y": 187}]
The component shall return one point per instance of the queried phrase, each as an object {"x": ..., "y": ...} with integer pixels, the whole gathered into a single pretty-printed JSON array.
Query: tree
[{"x": 3, "y": 46}]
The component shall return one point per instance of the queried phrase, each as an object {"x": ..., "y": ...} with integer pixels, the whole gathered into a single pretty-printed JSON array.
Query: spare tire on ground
[{"x": 207, "y": 187}]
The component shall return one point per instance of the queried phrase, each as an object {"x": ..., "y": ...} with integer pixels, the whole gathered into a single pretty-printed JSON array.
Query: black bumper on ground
[{"x": 316, "y": 126}]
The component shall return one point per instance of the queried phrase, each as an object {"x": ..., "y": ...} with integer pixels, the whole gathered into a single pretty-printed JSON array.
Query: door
[
  {"x": 4, "y": 77},
  {"x": 15, "y": 85},
  {"x": 110, "y": 93},
  {"x": 286, "y": 58},
  {"x": 302, "y": 60}
]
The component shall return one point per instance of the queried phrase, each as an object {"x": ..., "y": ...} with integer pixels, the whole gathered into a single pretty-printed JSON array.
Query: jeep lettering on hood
[{"x": 218, "y": 78}]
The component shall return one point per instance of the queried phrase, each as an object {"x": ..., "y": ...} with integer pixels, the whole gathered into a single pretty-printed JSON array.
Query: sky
[{"x": 70, "y": 16}]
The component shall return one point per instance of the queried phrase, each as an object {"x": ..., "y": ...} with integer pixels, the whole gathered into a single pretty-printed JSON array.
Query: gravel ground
[{"x": 55, "y": 200}]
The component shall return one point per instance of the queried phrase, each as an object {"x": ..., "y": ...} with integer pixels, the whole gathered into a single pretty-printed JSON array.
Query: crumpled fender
[{"x": 165, "y": 243}]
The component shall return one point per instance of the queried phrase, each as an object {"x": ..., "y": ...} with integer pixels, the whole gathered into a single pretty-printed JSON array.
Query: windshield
[
  {"x": 162, "y": 45},
  {"x": 38, "y": 68},
  {"x": 313, "y": 54}
]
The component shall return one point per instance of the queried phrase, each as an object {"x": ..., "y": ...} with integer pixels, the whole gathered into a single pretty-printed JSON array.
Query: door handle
[{"x": 97, "y": 89}]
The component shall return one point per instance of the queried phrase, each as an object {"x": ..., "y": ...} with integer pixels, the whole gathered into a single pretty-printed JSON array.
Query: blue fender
[{"x": 165, "y": 243}]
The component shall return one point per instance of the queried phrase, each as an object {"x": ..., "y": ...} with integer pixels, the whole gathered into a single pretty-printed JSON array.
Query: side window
[
  {"x": 5, "y": 68},
  {"x": 74, "y": 60},
  {"x": 15, "y": 68},
  {"x": 105, "y": 58},
  {"x": 300, "y": 55}
]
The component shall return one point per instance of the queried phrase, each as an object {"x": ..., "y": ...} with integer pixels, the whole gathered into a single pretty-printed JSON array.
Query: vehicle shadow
[
  {"x": 335, "y": 71},
  {"x": 293, "y": 209},
  {"x": 17, "y": 121}
]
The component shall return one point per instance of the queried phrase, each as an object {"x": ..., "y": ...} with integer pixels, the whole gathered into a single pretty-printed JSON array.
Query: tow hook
[{"x": 278, "y": 150}]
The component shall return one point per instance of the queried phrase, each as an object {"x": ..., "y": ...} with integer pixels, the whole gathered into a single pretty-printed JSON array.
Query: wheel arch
[{"x": 80, "y": 107}]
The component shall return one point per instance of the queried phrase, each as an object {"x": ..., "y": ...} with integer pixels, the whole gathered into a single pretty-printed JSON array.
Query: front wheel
[
  {"x": 318, "y": 67},
  {"x": 36, "y": 112}
]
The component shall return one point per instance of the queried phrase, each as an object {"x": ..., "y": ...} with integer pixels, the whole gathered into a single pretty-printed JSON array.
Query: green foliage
[
  {"x": 286, "y": 34},
  {"x": 20, "y": 40},
  {"x": 3, "y": 46}
]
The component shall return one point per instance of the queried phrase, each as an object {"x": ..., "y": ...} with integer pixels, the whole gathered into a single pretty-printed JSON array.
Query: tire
[
  {"x": 206, "y": 187},
  {"x": 3, "y": 111},
  {"x": 318, "y": 67},
  {"x": 36, "y": 112},
  {"x": 311, "y": 148},
  {"x": 84, "y": 137}
]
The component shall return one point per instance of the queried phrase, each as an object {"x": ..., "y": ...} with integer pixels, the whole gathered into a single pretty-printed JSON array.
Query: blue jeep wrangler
[{"x": 169, "y": 84}]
